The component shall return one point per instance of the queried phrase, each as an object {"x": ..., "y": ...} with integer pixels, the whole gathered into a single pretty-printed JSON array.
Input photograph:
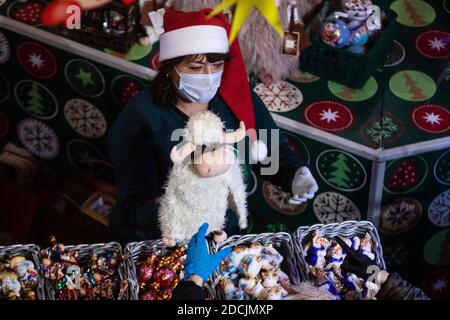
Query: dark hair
[{"x": 165, "y": 92}]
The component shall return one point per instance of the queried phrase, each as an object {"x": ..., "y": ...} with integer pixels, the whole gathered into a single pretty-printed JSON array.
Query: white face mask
[{"x": 199, "y": 88}]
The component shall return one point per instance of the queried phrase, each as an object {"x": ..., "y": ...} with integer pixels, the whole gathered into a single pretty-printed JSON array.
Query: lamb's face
[{"x": 214, "y": 163}]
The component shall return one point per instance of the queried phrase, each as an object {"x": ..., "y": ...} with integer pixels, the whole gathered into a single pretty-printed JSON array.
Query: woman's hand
[
  {"x": 199, "y": 263},
  {"x": 304, "y": 186}
]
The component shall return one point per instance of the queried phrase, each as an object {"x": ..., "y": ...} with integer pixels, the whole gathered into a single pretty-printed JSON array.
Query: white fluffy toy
[{"x": 199, "y": 186}]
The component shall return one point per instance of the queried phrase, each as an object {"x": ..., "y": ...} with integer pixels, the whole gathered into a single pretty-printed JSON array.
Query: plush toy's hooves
[
  {"x": 144, "y": 41},
  {"x": 220, "y": 236},
  {"x": 169, "y": 242}
]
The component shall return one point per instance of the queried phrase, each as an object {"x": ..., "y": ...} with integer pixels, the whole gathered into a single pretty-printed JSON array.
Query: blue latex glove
[{"x": 198, "y": 261}]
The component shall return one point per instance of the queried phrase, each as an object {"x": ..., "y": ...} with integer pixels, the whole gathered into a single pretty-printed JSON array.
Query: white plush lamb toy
[{"x": 199, "y": 186}]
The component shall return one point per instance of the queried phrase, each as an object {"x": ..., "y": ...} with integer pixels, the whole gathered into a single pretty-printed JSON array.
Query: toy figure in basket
[
  {"x": 366, "y": 246},
  {"x": 336, "y": 257},
  {"x": 198, "y": 191},
  {"x": 317, "y": 251}
]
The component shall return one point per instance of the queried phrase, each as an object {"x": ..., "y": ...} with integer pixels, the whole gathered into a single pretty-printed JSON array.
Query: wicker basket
[
  {"x": 344, "y": 229},
  {"x": 343, "y": 66},
  {"x": 31, "y": 252},
  {"x": 282, "y": 241},
  {"x": 85, "y": 252},
  {"x": 136, "y": 251}
]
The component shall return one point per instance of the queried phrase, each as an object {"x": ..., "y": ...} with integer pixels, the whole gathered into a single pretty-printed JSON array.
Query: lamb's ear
[{"x": 177, "y": 155}]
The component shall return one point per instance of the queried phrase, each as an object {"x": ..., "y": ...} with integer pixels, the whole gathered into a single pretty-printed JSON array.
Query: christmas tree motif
[
  {"x": 35, "y": 102},
  {"x": 339, "y": 176},
  {"x": 346, "y": 93},
  {"x": 416, "y": 92},
  {"x": 415, "y": 16}
]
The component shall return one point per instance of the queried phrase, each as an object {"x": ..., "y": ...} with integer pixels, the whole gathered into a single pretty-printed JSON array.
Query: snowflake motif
[
  {"x": 439, "y": 285},
  {"x": 277, "y": 227},
  {"x": 329, "y": 115},
  {"x": 439, "y": 210},
  {"x": 432, "y": 118},
  {"x": 38, "y": 138},
  {"x": 399, "y": 215},
  {"x": 36, "y": 60},
  {"x": 437, "y": 44},
  {"x": 330, "y": 207},
  {"x": 384, "y": 129},
  {"x": 280, "y": 198},
  {"x": 395, "y": 255},
  {"x": 84, "y": 118},
  {"x": 280, "y": 96}
]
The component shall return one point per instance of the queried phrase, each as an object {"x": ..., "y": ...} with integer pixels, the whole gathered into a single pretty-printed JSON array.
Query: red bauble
[
  {"x": 145, "y": 273},
  {"x": 166, "y": 294},
  {"x": 128, "y": 2},
  {"x": 56, "y": 12},
  {"x": 151, "y": 258},
  {"x": 165, "y": 277},
  {"x": 149, "y": 295}
]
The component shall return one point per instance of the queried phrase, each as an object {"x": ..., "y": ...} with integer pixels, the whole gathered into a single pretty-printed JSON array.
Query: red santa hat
[{"x": 189, "y": 33}]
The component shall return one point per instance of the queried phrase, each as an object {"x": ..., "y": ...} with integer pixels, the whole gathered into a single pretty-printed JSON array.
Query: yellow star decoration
[{"x": 267, "y": 8}]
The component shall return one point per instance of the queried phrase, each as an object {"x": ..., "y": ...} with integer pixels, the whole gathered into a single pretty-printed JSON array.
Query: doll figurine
[
  {"x": 316, "y": 252},
  {"x": 366, "y": 246}
]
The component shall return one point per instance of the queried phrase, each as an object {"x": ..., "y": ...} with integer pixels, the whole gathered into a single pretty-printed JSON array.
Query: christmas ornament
[
  {"x": 164, "y": 277},
  {"x": 251, "y": 271},
  {"x": 18, "y": 279},
  {"x": 335, "y": 33},
  {"x": 57, "y": 12},
  {"x": 145, "y": 273},
  {"x": 159, "y": 273},
  {"x": 91, "y": 278}
]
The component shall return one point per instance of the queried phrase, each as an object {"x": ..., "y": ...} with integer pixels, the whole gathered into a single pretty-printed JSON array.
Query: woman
[{"x": 199, "y": 71}]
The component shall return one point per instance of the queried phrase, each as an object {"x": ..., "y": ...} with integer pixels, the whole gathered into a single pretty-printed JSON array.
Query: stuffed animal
[{"x": 198, "y": 191}]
